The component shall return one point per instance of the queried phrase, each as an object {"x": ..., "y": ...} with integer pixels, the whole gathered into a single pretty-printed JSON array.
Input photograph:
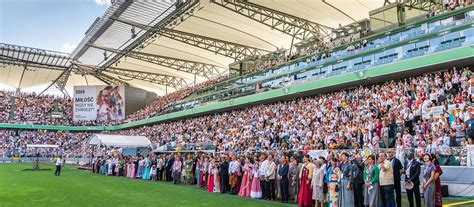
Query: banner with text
[
  {"x": 99, "y": 103},
  {"x": 436, "y": 111}
]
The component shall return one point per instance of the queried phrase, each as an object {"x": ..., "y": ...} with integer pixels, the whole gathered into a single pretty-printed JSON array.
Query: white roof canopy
[
  {"x": 171, "y": 40},
  {"x": 119, "y": 140}
]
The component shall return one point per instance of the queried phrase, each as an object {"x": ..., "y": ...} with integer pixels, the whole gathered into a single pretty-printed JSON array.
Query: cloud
[
  {"x": 102, "y": 2},
  {"x": 68, "y": 47}
]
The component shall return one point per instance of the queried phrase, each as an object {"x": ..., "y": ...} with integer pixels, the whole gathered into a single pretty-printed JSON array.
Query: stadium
[{"x": 237, "y": 103}]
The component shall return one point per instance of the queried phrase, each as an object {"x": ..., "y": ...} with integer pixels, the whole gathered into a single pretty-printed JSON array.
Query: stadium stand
[
  {"x": 372, "y": 116},
  {"x": 408, "y": 87}
]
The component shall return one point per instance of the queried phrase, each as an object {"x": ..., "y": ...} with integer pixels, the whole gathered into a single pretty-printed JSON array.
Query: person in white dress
[{"x": 317, "y": 183}]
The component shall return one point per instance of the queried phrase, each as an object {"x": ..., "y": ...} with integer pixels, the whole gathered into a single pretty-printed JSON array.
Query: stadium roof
[{"x": 160, "y": 45}]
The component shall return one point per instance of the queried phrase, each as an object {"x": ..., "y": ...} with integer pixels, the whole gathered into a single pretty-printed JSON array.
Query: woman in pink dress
[
  {"x": 246, "y": 179},
  {"x": 133, "y": 171},
  {"x": 210, "y": 179},
  {"x": 255, "y": 189},
  {"x": 129, "y": 167}
]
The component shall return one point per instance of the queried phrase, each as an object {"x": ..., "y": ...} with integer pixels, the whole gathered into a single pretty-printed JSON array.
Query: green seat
[
  {"x": 453, "y": 161},
  {"x": 442, "y": 160}
]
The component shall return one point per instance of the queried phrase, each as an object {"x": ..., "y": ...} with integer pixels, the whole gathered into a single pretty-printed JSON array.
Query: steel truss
[
  {"x": 60, "y": 82},
  {"x": 20, "y": 55},
  {"x": 11, "y": 61},
  {"x": 221, "y": 47},
  {"x": 109, "y": 80},
  {"x": 187, "y": 66},
  {"x": 217, "y": 46},
  {"x": 423, "y": 5},
  {"x": 178, "y": 12},
  {"x": 160, "y": 79},
  {"x": 93, "y": 71},
  {"x": 295, "y": 26}
]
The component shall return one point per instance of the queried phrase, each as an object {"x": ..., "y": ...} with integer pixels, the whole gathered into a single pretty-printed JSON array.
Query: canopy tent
[{"x": 119, "y": 140}]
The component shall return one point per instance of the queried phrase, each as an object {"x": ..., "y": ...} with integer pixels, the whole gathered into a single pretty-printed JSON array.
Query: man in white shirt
[
  {"x": 59, "y": 163},
  {"x": 267, "y": 177},
  {"x": 271, "y": 174},
  {"x": 234, "y": 172},
  {"x": 386, "y": 180}
]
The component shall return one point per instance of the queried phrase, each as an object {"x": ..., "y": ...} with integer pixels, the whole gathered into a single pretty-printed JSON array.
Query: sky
[{"x": 57, "y": 25}]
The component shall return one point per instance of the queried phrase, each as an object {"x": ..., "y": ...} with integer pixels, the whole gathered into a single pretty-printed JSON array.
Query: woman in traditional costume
[{"x": 305, "y": 191}]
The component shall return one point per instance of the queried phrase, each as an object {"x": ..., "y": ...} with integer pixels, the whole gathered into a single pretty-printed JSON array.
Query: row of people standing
[
  {"x": 335, "y": 180},
  {"x": 373, "y": 182}
]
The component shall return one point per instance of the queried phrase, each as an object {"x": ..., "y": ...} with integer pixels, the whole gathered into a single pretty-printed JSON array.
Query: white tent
[{"x": 119, "y": 140}]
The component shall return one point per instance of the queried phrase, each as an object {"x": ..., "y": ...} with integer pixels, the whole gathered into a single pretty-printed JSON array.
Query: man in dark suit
[
  {"x": 397, "y": 173},
  {"x": 412, "y": 174},
  {"x": 224, "y": 173},
  {"x": 168, "y": 166},
  {"x": 283, "y": 177},
  {"x": 358, "y": 180}
]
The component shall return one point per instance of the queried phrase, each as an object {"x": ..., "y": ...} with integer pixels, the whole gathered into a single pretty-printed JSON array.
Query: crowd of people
[
  {"x": 14, "y": 143},
  {"x": 318, "y": 50},
  {"x": 31, "y": 108},
  {"x": 160, "y": 104},
  {"x": 387, "y": 115},
  {"x": 46, "y": 109},
  {"x": 392, "y": 114},
  {"x": 336, "y": 179}
]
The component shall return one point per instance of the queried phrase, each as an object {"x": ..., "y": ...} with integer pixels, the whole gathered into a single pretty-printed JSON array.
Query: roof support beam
[
  {"x": 109, "y": 80},
  {"x": 93, "y": 70},
  {"x": 12, "y": 61},
  {"x": 187, "y": 66},
  {"x": 292, "y": 25},
  {"x": 178, "y": 11},
  {"x": 156, "y": 78},
  {"x": 60, "y": 82},
  {"x": 421, "y": 5},
  {"x": 221, "y": 47},
  {"x": 217, "y": 46},
  {"x": 18, "y": 53}
]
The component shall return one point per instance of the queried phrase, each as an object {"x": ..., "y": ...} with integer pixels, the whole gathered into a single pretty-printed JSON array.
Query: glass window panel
[
  {"x": 422, "y": 43},
  {"x": 407, "y": 48},
  {"x": 395, "y": 37},
  {"x": 434, "y": 26},
  {"x": 382, "y": 40},
  {"x": 378, "y": 55},
  {"x": 447, "y": 21},
  {"x": 469, "y": 34},
  {"x": 453, "y": 35},
  {"x": 435, "y": 42},
  {"x": 368, "y": 57}
]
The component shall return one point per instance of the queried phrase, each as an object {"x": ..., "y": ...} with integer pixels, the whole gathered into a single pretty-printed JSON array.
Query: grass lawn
[{"x": 82, "y": 188}]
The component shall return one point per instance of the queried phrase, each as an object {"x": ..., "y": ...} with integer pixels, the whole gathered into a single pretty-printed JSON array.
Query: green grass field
[{"x": 82, "y": 188}]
